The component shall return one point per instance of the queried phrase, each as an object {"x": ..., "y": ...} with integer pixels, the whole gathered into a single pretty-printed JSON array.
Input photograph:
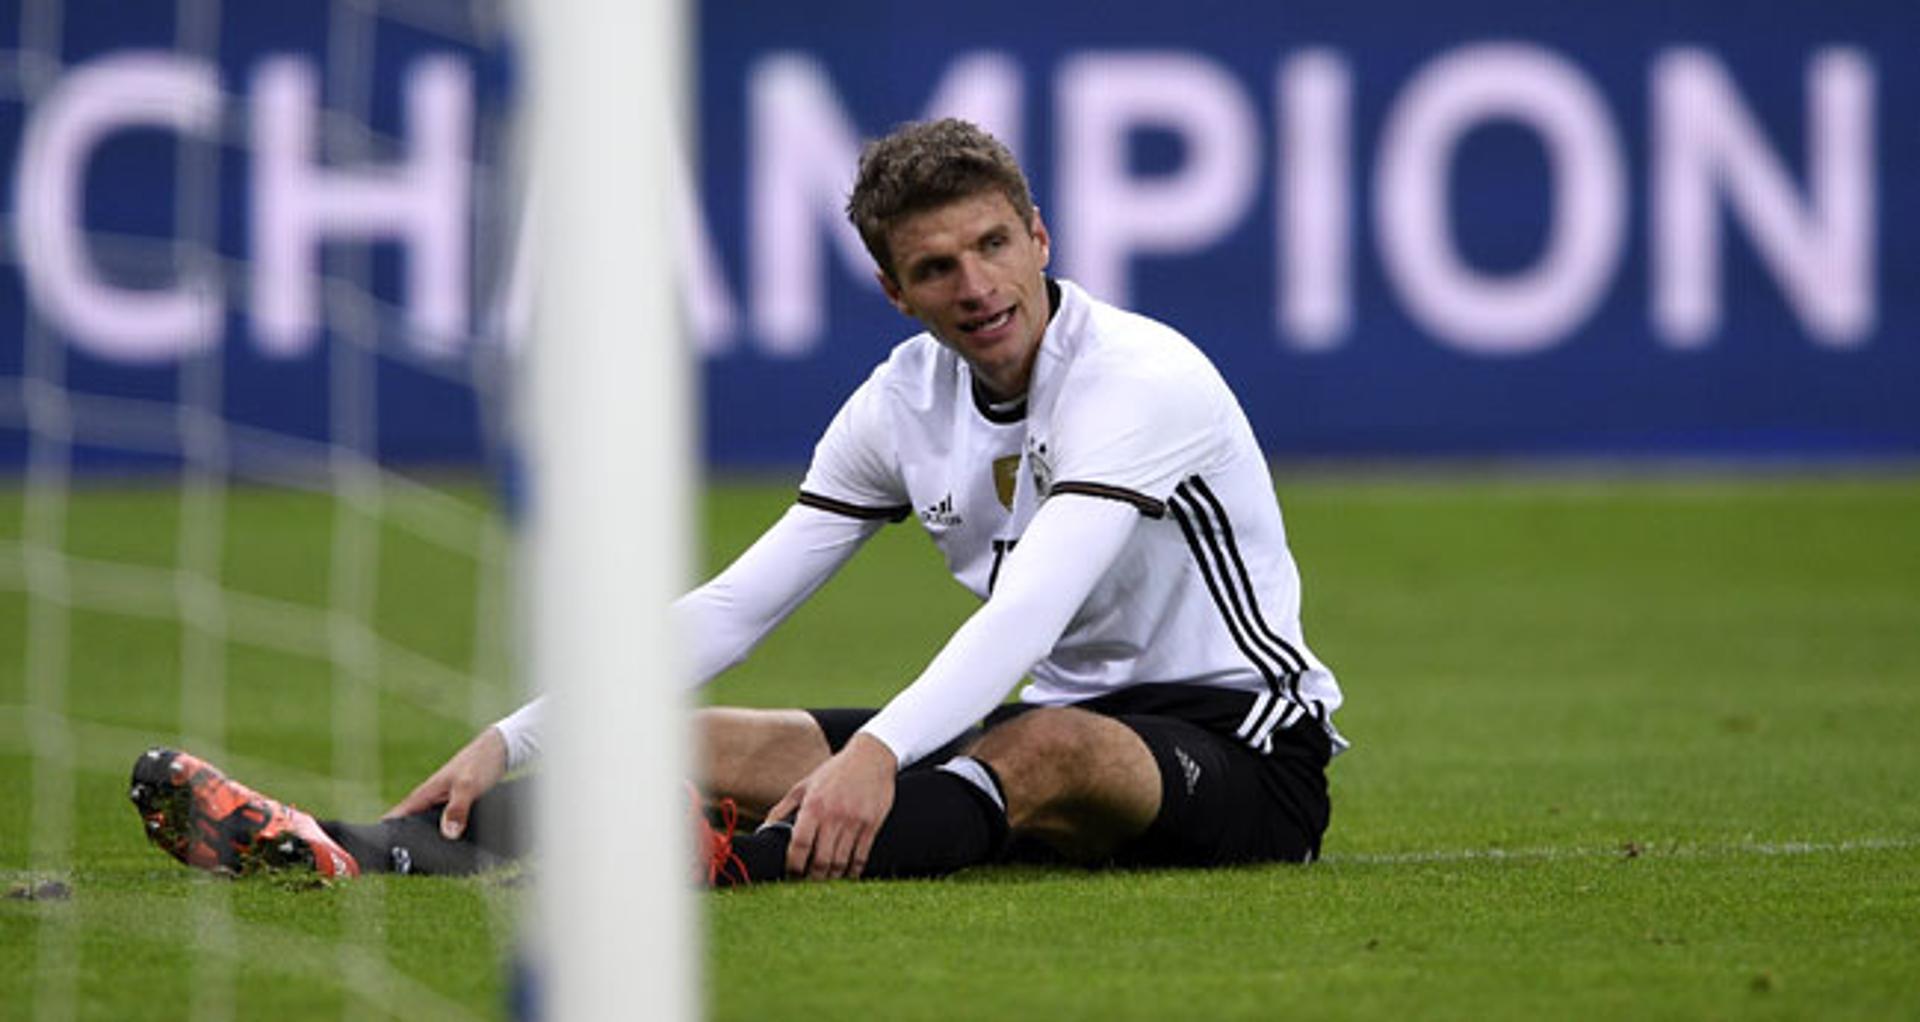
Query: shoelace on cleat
[{"x": 724, "y": 865}]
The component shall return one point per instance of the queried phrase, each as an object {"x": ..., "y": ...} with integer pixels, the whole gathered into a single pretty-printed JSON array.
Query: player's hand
[
  {"x": 842, "y": 804},
  {"x": 465, "y": 777}
]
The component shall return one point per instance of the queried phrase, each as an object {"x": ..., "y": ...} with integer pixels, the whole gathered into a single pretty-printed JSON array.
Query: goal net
[{"x": 262, "y": 285}]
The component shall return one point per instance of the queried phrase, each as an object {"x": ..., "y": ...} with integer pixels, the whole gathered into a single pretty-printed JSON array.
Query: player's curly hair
[{"x": 923, "y": 165}]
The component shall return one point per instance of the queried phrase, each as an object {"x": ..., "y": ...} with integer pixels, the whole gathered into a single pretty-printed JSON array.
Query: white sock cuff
[{"x": 976, "y": 773}]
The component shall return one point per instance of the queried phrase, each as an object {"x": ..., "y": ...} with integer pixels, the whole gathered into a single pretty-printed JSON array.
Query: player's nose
[{"x": 973, "y": 285}]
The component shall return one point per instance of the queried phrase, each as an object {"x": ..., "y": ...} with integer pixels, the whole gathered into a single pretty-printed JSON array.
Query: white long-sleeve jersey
[{"x": 1120, "y": 525}]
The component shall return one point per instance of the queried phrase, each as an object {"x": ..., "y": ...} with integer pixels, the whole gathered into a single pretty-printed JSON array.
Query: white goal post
[{"x": 611, "y": 486}]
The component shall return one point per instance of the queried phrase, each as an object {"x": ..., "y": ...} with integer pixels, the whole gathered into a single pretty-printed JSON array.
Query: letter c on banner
[{"x": 88, "y": 104}]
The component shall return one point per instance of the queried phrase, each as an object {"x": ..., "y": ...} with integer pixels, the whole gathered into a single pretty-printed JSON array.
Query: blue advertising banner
[
  {"x": 1399, "y": 228},
  {"x": 1487, "y": 228}
]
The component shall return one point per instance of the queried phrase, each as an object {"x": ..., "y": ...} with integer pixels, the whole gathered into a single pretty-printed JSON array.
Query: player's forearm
[
  {"x": 723, "y": 620},
  {"x": 1068, "y": 547}
]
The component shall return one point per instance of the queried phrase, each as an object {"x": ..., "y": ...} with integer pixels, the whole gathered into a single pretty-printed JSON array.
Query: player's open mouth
[{"x": 991, "y": 323}]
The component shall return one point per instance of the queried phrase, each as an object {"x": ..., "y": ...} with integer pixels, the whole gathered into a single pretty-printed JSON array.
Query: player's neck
[
  {"x": 994, "y": 408},
  {"x": 1002, "y": 394},
  {"x": 1005, "y": 392}
]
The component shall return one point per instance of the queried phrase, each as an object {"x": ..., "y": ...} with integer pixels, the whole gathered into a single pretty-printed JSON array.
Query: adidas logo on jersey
[{"x": 940, "y": 515}]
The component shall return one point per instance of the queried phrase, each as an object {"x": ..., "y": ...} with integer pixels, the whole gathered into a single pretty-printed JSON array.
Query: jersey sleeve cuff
[
  {"x": 903, "y": 753},
  {"x": 521, "y": 729},
  {"x": 1146, "y": 505},
  {"x": 889, "y": 513}
]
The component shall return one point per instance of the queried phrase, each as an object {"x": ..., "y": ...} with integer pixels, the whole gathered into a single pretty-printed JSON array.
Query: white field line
[{"x": 1625, "y": 850}]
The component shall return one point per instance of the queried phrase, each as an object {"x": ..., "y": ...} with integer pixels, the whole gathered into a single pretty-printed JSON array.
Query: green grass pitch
[{"x": 1640, "y": 748}]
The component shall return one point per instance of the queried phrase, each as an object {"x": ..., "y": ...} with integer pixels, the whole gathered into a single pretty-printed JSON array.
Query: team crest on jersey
[
  {"x": 1006, "y": 475},
  {"x": 1041, "y": 460}
]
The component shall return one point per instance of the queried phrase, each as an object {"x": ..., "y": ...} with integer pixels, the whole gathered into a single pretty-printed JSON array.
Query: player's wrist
[
  {"x": 873, "y": 749},
  {"x": 492, "y": 744}
]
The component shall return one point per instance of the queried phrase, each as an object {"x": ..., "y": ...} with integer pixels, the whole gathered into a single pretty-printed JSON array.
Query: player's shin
[
  {"x": 413, "y": 844},
  {"x": 942, "y": 820}
]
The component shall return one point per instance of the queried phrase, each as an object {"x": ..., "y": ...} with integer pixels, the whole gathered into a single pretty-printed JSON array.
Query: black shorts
[{"x": 1221, "y": 801}]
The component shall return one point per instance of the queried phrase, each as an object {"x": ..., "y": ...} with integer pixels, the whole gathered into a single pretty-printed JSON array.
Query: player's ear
[
  {"x": 1038, "y": 229},
  {"x": 891, "y": 288}
]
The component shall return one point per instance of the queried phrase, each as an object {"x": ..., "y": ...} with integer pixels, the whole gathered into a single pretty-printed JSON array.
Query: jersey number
[{"x": 1000, "y": 549}]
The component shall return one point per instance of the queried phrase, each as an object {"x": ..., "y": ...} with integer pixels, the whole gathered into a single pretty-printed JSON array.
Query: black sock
[
  {"x": 413, "y": 844},
  {"x": 940, "y": 823},
  {"x": 763, "y": 855}
]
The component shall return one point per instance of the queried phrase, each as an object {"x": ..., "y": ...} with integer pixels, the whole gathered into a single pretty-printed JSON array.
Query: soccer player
[{"x": 1087, "y": 473}]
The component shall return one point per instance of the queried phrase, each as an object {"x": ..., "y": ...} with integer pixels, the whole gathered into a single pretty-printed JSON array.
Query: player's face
[{"x": 975, "y": 275}]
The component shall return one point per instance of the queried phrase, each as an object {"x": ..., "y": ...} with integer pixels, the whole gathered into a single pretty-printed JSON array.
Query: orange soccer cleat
[{"x": 205, "y": 819}]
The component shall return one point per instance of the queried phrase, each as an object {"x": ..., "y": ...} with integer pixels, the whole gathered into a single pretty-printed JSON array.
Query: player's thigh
[
  {"x": 754, "y": 756},
  {"x": 1221, "y": 802},
  {"x": 838, "y": 726}
]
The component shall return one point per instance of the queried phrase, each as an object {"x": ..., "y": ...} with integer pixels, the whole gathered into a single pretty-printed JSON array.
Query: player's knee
[
  {"x": 1078, "y": 781},
  {"x": 1040, "y": 756}
]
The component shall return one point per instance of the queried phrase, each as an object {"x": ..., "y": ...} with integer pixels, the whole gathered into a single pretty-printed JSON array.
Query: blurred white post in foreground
[{"x": 610, "y": 479}]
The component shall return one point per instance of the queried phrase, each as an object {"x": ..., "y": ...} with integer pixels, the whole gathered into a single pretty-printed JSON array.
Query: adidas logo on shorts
[{"x": 1188, "y": 767}]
